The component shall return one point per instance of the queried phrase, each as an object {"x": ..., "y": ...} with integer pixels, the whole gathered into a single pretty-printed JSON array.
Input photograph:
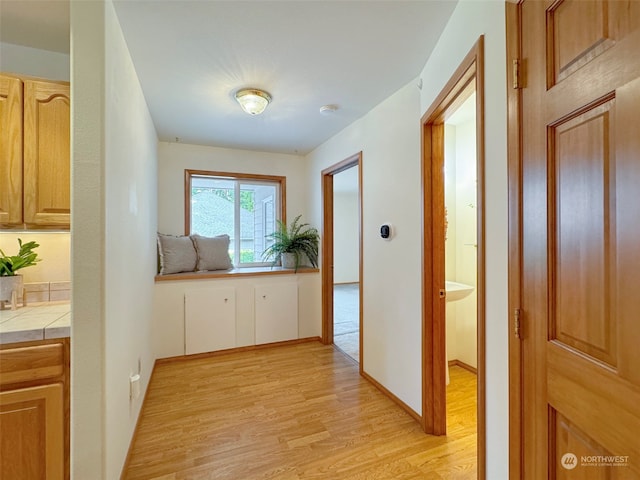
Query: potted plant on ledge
[
  {"x": 290, "y": 246},
  {"x": 11, "y": 283}
]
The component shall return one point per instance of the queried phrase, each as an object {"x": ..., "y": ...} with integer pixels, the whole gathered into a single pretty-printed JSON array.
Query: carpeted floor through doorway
[{"x": 346, "y": 318}]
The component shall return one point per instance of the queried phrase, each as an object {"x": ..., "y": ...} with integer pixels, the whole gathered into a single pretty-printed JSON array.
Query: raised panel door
[
  {"x": 580, "y": 237},
  {"x": 47, "y": 166},
  {"x": 10, "y": 151},
  {"x": 32, "y": 439}
]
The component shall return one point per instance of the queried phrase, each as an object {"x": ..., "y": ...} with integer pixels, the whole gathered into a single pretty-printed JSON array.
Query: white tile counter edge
[{"x": 38, "y": 322}]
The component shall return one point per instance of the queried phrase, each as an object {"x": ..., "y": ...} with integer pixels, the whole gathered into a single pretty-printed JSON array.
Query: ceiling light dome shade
[{"x": 253, "y": 101}]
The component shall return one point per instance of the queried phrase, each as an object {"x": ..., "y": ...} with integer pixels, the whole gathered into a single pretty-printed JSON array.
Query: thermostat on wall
[{"x": 386, "y": 231}]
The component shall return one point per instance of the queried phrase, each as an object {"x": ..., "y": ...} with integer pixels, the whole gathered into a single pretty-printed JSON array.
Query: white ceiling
[{"x": 191, "y": 57}]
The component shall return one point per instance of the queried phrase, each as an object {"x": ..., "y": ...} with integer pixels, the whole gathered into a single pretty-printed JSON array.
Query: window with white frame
[{"x": 245, "y": 207}]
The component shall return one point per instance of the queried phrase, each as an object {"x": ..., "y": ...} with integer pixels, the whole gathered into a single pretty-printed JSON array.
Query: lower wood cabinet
[{"x": 34, "y": 410}]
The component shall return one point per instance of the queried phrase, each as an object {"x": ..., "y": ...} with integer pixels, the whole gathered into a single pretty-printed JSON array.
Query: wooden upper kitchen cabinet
[
  {"x": 35, "y": 161},
  {"x": 11, "y": 105}
]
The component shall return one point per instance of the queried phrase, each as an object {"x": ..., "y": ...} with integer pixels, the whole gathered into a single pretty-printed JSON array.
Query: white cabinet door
[
  {"x": 276, "y": 312},
  {"x": 209, "y": 320}
]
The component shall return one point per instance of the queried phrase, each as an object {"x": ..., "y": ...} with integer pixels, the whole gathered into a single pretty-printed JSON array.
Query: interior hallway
[{"x": 292, "y": 412}]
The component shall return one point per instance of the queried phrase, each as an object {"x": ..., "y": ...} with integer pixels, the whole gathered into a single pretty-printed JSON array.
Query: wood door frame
[
  {"x": 327, "y": 246},
  {"x": 514, "y": 167},
  {"x": 467, "y": 78}
]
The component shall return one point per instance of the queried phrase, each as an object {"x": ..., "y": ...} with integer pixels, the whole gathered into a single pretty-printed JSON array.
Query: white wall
[
  {"x": 451, "y": 237},
  {"x": 174, "y": 158},
  {"x": 461, "y": 252},
  {"x": 466, "y": 252},
  {"x": 87, "y": 241},
  {"x": 389, "y": 138},
  {"x": 131, "y": 225},
  {"x": 346, "y": 244},
  {"x": 114, "y": 226},
  {"x": 471, "y": 19},
  {"x": 34, "y": 62}
]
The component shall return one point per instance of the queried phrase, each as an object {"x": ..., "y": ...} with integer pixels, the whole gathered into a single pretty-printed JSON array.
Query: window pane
[
  {"x": 212, "y": 208},
  {"x": 255, "y": 221}
]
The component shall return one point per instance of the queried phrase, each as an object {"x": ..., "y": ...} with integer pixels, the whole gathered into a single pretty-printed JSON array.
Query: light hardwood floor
[{"x": 292, "y": 412}]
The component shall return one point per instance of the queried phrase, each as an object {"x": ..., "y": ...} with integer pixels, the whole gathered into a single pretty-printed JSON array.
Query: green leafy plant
[
  {"x": 26, "y": 257},
  {"x": 299, "y": 239}
]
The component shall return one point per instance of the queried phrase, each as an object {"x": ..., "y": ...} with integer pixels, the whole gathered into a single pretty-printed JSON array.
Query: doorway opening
[
  {"x": 453, "y": 252},
  {"x": 342, "y": 256},
  {"x": 346, "y": 265}
]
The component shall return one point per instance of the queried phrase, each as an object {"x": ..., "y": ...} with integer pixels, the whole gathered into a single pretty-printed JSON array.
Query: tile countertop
[{"x": 35, "y": 322}]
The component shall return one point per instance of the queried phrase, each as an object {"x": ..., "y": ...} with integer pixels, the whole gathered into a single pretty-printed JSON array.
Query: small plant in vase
[
  {"x": 11, "y": 283},
  {"x": 291, "y": 245}
]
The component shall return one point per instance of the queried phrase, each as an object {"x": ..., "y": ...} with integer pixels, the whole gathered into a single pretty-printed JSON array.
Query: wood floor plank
[{"x": 294, "y": 412}]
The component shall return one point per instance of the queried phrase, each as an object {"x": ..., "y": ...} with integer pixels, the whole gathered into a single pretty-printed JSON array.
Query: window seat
[{"x": 235, "y": 272}]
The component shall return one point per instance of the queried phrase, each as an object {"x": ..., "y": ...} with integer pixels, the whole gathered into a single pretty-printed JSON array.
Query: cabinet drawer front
[{"x": 28, "y": 364}]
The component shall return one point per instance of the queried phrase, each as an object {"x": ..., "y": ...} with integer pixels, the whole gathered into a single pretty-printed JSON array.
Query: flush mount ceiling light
[
  {"x": 252, "y": 100},
  {"x": 328, "y": 109}
]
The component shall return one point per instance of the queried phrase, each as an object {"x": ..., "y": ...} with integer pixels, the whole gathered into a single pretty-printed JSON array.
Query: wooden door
[
  {"x": 10, "y": 151},
  {"x": 47, "y": 179},
  {"x": 581, "y": 239},
  {"x": 32, "y": 439}
]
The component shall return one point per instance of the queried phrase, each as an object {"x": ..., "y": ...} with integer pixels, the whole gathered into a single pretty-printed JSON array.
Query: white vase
[
  {"x": 9, "y": 285},
  {"x": 288, "y": 260}
]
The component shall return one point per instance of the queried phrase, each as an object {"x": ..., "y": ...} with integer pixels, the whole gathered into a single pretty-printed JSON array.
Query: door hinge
[
  {"x": 516, "y": 322},
  {"x": 516, "y": 73}
]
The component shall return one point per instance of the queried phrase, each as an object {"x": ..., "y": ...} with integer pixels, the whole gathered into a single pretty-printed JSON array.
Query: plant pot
[
  {"x": 9, "y": 285},
  {"x": 288, "y": 260}
]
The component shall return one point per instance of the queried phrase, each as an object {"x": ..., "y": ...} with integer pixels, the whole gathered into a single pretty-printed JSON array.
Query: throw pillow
[
  {"x": 213, "y": 252},
  {"x": 177, "y": 254}
]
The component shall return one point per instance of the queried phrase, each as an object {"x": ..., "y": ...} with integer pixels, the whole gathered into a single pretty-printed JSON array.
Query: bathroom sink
[{"x": 457, "y": 291}]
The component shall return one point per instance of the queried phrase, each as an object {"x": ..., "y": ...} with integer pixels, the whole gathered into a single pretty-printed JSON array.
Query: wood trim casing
[
  {"x": 514, "y": 168},
  {"x": 469, "y": 76},
  {"x": 235, "y": 176},
  {"x": 327, "y": 249}
]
